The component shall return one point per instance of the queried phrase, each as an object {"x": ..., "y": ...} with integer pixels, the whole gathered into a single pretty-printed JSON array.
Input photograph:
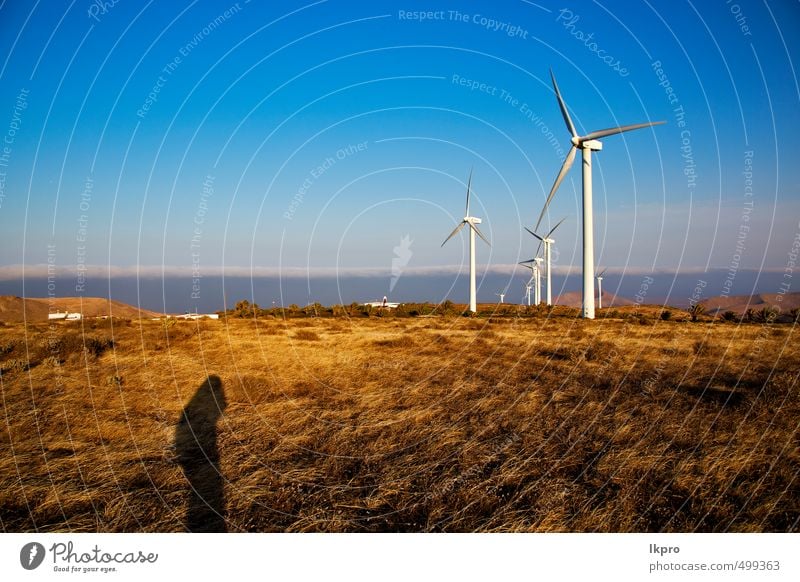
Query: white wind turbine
[
  {"x": 587, "y": 144},
  {"x": 600, "y": 288},
  {"x": 530, "y": 282},
  {"x": 473, "y": 229},
  {"x": 502, "y": 296},
  {"x": 535, "y": 265},
  {"x": 547, "y": 241}
]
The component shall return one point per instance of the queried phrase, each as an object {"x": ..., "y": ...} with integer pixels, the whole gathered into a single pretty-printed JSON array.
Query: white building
[
  {"x": 65, "y": 316},
  {"x": 198, "y": 316}
]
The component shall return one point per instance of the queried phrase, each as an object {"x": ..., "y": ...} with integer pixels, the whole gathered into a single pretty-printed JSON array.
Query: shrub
[
  {"x": 767, "y": 314},
  {"x": 96, "y": 346},
  {"x": 14, "y": 365},
  {"x": 666, "y": 314},
  {"x": 600, "y": 350},
  {"x": 51, "y": 362},
  {"x": 404, "y": 341},
  {"x": 701, "y": 348},
  {"x": 729, "y": 316},
  {"x": 696, "y": 310},
  {"x": 306, "y": 335}
]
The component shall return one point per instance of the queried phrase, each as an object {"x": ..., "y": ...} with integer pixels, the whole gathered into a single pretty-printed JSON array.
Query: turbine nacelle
[{"x": 587, "y": 144}]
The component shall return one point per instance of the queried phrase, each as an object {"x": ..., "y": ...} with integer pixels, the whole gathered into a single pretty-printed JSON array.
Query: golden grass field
[{"x": 400, "y": 424}]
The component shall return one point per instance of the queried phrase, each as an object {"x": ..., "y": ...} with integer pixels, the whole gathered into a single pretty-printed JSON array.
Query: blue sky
[{"x": 301, "y": 135}]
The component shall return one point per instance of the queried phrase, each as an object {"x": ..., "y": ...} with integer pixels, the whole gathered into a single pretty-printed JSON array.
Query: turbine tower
[
  {"x": 473, "y": 229},
  {"x": 587, "y": 144},
  {"x": 600, "y": 288},
  {"x": 547, "y": 241},
  {"x": 502, "y": 296}
]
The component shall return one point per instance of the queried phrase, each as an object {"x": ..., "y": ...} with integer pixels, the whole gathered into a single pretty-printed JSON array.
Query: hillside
[
  {"x": 741, "y": 303},
  {"x": 35, "y": 309},
  {"x": 575, "y": 299}
]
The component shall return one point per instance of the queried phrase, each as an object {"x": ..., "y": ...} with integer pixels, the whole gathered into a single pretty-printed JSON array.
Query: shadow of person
[{"x": 196, "y": 450}]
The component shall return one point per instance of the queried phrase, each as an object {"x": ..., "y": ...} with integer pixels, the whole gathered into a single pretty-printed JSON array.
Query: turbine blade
[
  {"x": 603, "y": 272},
  {"x": 480, "y": 234},
  {"x": 533, "y": 233},
  {"x": 469, "y": 183},
  {"x": 552, "y": 230},
  {"x": 564, "y": 169},
  {"x": 455, "y": 231},
  {"x": 616, "y": 130},
  {"x": 563, "y": 106}
]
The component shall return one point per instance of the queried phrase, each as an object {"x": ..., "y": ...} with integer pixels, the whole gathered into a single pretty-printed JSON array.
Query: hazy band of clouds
[{"x": 16, "y": 272}]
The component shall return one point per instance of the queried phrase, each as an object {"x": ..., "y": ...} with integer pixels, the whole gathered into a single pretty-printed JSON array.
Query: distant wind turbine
[
  {"x": 535, "y": 265},
  {"x": 502, "y": 296},
  {"x": 587, "y": 143},
  {"x": 547, "y": 241},
  {"x": 473, "y": 229},
  {"x": 600, "y": 288}
]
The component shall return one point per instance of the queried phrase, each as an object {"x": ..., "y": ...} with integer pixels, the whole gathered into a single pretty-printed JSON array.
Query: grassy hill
[
  {"x": 400, "y": 424},
  {"x": 35, "y": 309}
]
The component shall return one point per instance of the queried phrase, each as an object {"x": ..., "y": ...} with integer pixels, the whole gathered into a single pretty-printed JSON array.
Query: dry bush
[
  {"x": 306, "y": 335},
  {"x": 404, "y": 341}
]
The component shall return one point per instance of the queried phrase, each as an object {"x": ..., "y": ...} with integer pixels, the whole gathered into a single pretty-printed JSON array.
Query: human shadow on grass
[{"x": 197, "y": 453}]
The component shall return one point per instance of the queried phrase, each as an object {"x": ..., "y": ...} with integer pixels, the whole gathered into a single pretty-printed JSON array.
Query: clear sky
[{"x": 294, "y": 135}]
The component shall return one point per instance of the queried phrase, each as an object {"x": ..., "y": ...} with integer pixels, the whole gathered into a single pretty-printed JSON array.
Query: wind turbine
[
  {"x": 600, "y": 288},
  {"x": 532, "y": 279},
  {"x": 547, "y": 242},
  {"x": 535, "y": 265},
  {"x": 473, "y": 229},
  {"x": 502, "y": 296},
  {"x": 587, "y": 144}
]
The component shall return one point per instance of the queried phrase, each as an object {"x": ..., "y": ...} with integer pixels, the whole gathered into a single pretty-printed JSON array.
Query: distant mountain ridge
[
  {"x": 575, "y": 299},
  {"x": 741, "y": 303}
]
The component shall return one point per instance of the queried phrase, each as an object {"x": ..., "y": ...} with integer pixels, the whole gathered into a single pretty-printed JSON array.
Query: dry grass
[{"x": 419, "y": 424}]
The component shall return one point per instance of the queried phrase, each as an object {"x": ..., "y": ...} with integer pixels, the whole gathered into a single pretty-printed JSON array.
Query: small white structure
[
  {"x": 65, "y": 316},
  {"x": 198, "y": 316},
  {"x": 385, "y": 304}
]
